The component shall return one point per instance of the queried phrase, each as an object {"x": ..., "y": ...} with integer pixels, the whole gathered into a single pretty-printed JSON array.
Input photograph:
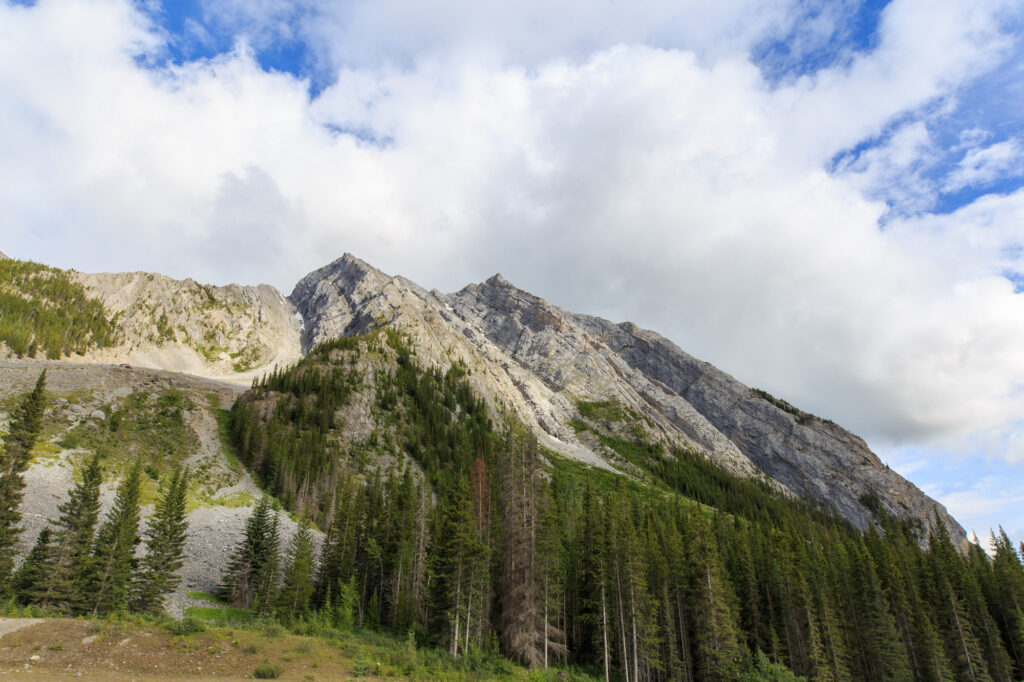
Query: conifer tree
[
  {"x": 250, "y": 580},
  {"x": 953, "y": 618},
  {"x": 157, "y": 574},
  {"x": 72, "y": 554},
  {"x": 337, "y": 551},
  {"x": 717, "y": 647},
  {"x": 29, "y": 580},
  {"x": 14, "y": 458},
  {"x": 522, "y": 594},
  {"x": 1007, "y": 598},
  {"x": 977, "y": 569},
  {"x": 297, "y": 590},
  {"x": 882, "y": 655},
  {"x": 114, "y": 548}
]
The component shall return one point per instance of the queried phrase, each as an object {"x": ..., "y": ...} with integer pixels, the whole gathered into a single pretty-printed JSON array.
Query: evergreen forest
[
  {"x": 465, "y": 532},
  {"x": 424, "y": 516},
  {"x": 44, "y": 312}
]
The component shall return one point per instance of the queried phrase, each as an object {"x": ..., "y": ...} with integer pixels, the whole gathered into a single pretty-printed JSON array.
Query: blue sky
[{"x": 825, "y": 199}]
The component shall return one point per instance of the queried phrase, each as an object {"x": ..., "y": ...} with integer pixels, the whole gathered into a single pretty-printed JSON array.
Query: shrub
[
  {"x": 267, "y": 671},
  {"x": 186, "y": 626}
]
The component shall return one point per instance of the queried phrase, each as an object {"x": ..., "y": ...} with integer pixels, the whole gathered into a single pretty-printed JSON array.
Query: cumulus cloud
[{"x": 665, "y": 183}]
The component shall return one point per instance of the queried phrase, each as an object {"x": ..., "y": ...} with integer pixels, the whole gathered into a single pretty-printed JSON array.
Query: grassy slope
[{"x": 131, "y": 648}]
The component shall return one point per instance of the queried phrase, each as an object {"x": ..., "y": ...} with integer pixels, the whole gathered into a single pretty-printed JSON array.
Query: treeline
[
  {"x": 43, "y": 311},
  {"x": 76, "y": 567},
  {"x": 484, "y": 543}
]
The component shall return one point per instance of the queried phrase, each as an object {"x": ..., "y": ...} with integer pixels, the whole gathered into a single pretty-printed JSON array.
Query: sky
[{"x": 824, "y": 198}]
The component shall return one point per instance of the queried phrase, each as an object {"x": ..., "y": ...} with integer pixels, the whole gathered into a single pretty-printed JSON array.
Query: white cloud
[
  {"x": 983, "y": 165},
  {"x": 665, "y": 186},
  {"x": 987, "y": 499},
  {"x": 896, "y": 169}
]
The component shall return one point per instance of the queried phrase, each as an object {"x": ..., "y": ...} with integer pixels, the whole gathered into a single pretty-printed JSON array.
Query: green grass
[
  {"x": 208, "y": 596},
  {"x": 150, "y": 425},
  {"x": 219, "y": 616},
  {"x": 609, "y": 410}
]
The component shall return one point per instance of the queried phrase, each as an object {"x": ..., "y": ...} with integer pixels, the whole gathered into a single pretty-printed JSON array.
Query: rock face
[
  {"x": 539, "y": 361},
  {"x": 231, "y": 332}
]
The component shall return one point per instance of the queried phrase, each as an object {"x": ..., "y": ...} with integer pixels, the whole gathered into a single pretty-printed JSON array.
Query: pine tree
[
  {"x": 29, "y": 581},
  {"x": 165, "y": 546},
  {"x": 522, "y": 593},
  {"x": 14, "y": 458},
  {"x": 114, "y": 548},
  {"x": 953, "y": 618},
  {"x": 1007, "y": 598},
  {"x": 72, "y": 554},
  {"x": 718, "y": 650},
  {"x": 250, "y": 580},
  {"x": 883, "y": 657},
  {"x": 297, "y": 590}
]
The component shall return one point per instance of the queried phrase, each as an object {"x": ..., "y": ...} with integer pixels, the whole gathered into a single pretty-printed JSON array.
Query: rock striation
[{"x": 539, "y": 361}]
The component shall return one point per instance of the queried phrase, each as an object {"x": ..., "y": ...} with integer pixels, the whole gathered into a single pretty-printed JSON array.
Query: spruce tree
[
  {"x": 114, "y": 548},
  {"x": 1007, "y": 598},
  {"x": 297, "y": 590},
  {"x": 14, "y": 458},
  {"x": 72, "y": 554},
  {"x": 883, "y": 655},
  {"x": 157, "y": 574},
  {"x": 250, "y": 580},
  {"x": 29, "y": 581},
  {"x": 718, "y": 650},
  {"x": 963, "y": 644}
]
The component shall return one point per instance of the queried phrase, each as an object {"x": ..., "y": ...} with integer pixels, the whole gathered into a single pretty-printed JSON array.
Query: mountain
[
  {"x": 545, "y": 365},
  {"x": 541, "y": 362}
]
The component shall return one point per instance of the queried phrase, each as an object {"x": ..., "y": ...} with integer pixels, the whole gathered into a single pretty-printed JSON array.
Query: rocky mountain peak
[
  {"x": 496, "y": 280},
  {"x": 541, "y": 362}
]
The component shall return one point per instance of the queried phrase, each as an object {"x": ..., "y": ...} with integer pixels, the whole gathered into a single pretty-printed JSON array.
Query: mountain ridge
[
  {"x": 553, "y": 358},
  {"x": 526, "y": 357}
]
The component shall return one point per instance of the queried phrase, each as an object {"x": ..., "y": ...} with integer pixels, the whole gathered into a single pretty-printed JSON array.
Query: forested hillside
[
  {"x": 464, "y": 531},
  {"x": 46, "y": 313}
]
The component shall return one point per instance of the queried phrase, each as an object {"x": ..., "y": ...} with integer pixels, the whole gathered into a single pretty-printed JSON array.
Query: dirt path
[{"x": 12, "y": 624}]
